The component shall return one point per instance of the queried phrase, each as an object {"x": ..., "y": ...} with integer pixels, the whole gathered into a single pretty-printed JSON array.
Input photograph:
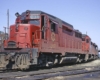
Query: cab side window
[
  {"x": 53, "y": 26},
  {"x": 83, "y": 39},
  {"x": 87, "y": 41}
]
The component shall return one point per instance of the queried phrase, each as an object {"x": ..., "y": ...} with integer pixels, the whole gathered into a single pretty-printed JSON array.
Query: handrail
[{"x": 35, "y": 34}]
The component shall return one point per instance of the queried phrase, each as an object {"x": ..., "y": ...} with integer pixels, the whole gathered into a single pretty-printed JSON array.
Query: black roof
[
  {"x": 77, "y": 31},
  {"x": 84, "y": 35},
  {"x": 52, "y": 17}
]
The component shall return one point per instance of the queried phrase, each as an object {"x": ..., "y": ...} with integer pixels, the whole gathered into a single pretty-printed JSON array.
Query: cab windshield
[{"x": 35, "y": 22}]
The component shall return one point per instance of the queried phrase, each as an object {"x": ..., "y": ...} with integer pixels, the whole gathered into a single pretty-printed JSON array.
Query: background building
[{"x": 2, "y": 37}]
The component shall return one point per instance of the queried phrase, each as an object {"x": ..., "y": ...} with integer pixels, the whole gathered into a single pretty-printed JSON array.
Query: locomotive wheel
[
  {"x": 80, "y": 60},
  {"x": 49, "y": 64},
  {"x": 22, "y": 61},
  {"x": 46, "y": 60},
  {"x": 77, "y": 60}
]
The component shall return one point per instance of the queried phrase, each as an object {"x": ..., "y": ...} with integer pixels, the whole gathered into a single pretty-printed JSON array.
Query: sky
[{"x": 84, "y": 15}]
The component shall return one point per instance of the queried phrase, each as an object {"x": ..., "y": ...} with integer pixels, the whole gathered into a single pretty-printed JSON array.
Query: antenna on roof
[
  {"x": 8, "y": 18},
  {"x": 86, "y": 32}
]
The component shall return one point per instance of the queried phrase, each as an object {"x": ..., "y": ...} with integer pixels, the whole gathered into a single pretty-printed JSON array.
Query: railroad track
[
  {"x": 65, "y": 73},
  {"x": 45, "y": 75}
]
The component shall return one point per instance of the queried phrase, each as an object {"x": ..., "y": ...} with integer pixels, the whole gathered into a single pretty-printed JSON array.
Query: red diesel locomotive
[{"x": 40, "y": 39}]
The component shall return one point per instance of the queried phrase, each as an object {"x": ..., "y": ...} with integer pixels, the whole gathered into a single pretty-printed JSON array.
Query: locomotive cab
[
  {"x": 23, "y": 41},
  {"x": 86, "y": 43}
]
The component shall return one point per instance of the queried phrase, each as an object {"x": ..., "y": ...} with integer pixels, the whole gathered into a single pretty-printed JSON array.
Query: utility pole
[
  {"x": 5, "y": 32},
  {"x": 8, "y": 21}
]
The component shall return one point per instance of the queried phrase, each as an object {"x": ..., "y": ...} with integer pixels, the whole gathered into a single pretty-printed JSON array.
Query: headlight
[{"x": 17, "y": 14}]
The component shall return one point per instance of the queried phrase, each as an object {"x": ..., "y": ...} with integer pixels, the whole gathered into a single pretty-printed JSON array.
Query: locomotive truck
[{"x": 40, "y": 39}]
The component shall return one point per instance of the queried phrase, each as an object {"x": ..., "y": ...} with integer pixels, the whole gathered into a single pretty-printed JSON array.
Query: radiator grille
[{"x": 11, "y": 44}]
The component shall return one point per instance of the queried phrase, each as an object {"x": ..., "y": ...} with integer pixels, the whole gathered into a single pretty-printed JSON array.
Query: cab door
[
  {"x": 53, "y": 34},
  {"x": 44, "y": 32},
  {"x": 44, "y": 25}
]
